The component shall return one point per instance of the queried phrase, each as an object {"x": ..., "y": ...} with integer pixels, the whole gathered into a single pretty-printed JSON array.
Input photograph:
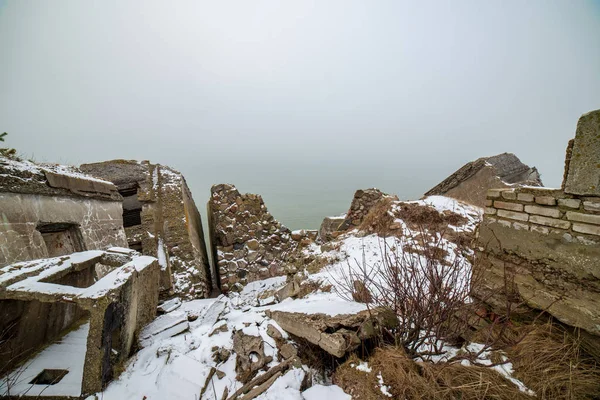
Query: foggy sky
[{"x": 396, "y": 93}]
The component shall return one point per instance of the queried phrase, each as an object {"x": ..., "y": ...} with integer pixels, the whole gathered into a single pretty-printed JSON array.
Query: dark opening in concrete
[
  {"x": 132, "y": 207},
  {"x": 61, "y": 238},
  {"x": 28, "y": 326},
  {"x": 49, "y": 377}
]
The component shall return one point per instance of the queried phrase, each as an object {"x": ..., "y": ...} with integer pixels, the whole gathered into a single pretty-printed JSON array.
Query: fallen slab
[{"x": 336, "y": 335}]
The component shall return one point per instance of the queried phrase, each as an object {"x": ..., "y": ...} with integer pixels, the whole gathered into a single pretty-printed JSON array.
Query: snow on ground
[
  {"x": 178, "y": 367},
  {"x": 68, "y": 353}
]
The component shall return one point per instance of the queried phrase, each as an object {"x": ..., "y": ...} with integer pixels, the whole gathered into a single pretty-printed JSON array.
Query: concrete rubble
[{"x": 339, "y": 334}]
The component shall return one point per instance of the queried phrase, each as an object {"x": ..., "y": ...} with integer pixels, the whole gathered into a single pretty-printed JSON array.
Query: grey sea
[{"x": 300, "y": 196}]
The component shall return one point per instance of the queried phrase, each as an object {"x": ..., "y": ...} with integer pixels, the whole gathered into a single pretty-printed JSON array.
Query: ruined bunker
[
  {"x": 161, "y": 220},
  {"x": 68, "y": 323},
  {"x": 52, "y": 210}
]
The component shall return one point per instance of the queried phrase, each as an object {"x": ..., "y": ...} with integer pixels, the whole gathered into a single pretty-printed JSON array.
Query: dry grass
[
  {"x": 419, "y": 215},
  {"x": 410, "y": 380},
  {"x": 379, "y": 218},
  {"x": 549, "y": 361}
]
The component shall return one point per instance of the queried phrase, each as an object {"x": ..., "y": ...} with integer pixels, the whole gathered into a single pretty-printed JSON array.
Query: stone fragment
[
  {"x": 545, "y": 211},
  {"x": 540, "y": 229},
  {"x": 545, "y": 200},
  {"x": 519, "y": 216},
  {"x": 569, "y": 203},
  {"x": 508, "y": 206},
  {"x": 291, "y": 289},
  {"x": 555, "y": 223},
  {"x": 169, "y": 305},
  {"x": 509, "y": 195},
  {"x": 504, "y": 223},
  {"x": 528, "y": 197},
  {"x": 581, "y": 217},
  {"x": 250, "y": 355},
  {"x": 287, "y": 351},
  {"x": 344, "y": 329},
  {"x": 585, "y": 228},
  {"x": 253, "y": 244},
  {"x": 490, "y": 211},
  {"x": 591, "y": 206},
  {"x": 274, "y": 332}
]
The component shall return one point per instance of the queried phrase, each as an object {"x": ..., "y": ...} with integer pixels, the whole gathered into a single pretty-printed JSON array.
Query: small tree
[{"x": 6, "y": 152}]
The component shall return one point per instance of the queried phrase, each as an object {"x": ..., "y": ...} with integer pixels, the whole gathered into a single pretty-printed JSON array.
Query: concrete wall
[
  {"x": 170, "y": 229},
  {"x": 542, "y": 246},
  {"x": 98, "y": 221}
]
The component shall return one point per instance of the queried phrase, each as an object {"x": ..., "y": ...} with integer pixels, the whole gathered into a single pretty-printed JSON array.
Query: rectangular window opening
[
  {"x": 49, "y": 377},
  {"x": 61, "y": 238}
]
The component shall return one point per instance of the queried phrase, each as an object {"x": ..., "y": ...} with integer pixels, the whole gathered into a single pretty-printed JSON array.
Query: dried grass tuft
[
  {"x": 549, "y": 360},
  {"x": 379, "y": 219},
  {"x": 410, "y": 380}
]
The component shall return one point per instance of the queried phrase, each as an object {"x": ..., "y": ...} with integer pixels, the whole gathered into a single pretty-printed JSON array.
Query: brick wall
[{"x": 545, "y": 211}]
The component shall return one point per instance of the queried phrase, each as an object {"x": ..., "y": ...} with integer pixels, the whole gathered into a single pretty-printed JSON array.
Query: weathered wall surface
[
  {"x": 471, "y": 182},
  {"x": 362, "y": 203},
  {"x": 547, "y": 242},
  {"x": 249, "y": 243},
  {"x": 99, "y": 223},
  {"x": 583, "y": 173},
  {"x": 36, "y": 202},
  {"x": 169, "y": 225}
]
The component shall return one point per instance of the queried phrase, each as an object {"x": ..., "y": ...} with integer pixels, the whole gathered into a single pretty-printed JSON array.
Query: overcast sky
[{"x": 406, "y": 90}]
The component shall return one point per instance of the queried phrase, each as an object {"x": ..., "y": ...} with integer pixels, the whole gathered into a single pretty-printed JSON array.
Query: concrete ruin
[
  {"x": 541, "y": 246},
  {"x": 68, "y": 323},
  {"x": 248, "y": 243},
  {"x": 337, "y": 335},
  {"x": 161, "y": 220},
  {"x": 53, "y": 210},
  {"x": 471, "y": 182}
]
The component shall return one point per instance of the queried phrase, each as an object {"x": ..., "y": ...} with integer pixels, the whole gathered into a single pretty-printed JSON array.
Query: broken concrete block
[
  {"x": 250, "y": 355},
  {"x": 336, "y": 335},
  {"x": 169, "y": 305},
  {"x": 163, "y": 327}
]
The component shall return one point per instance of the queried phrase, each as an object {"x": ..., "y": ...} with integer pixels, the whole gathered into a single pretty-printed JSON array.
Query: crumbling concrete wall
[
  {"x": 471, "y": 182},
  {"x": 168, "y": 224},
  {"x": 546, "y": 242},
  {"x": 50, "y": 210},
  {"x": 249, "y": 244},
  {"x": 39, "y": 303}
]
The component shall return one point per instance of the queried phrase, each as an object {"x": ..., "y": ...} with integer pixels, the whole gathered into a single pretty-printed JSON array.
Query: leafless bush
[{"x": 426, "y": 280}]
